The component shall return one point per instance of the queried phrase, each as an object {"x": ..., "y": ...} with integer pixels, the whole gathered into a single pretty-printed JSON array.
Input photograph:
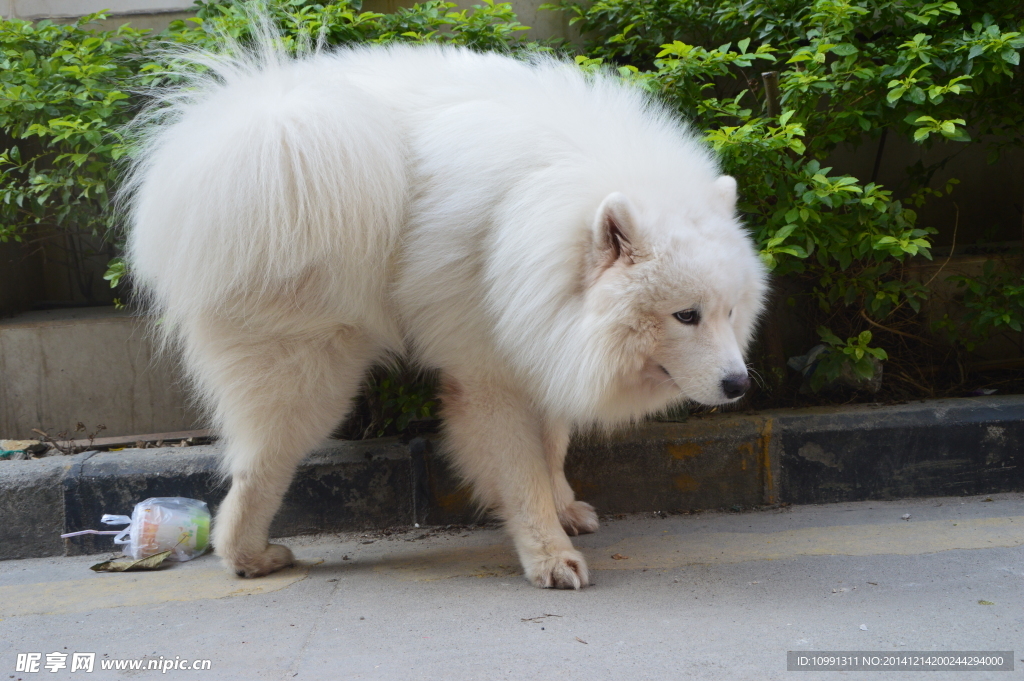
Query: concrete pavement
[{"x": 703, "y": 596}]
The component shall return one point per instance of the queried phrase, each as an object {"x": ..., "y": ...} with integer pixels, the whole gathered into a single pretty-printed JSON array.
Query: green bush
[
  {"x": 488, "y": 26},
  {"x": 994, "y": 302},
  {"x": 854, "y": 355},
  {"x": 847, "y": 72},
  {"x": 62, "y": 99},
  {"x": 395, "y": 400}
]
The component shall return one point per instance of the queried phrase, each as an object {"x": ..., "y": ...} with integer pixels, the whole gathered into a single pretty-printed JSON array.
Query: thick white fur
[{"x": 524, "y": 228}]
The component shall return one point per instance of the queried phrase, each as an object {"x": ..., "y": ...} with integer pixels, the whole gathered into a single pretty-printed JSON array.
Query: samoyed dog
[{"x": 559, "y": 246}]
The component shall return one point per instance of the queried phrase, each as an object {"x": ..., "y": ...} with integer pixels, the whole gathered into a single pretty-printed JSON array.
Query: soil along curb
[{"x": 942, "y": 447}]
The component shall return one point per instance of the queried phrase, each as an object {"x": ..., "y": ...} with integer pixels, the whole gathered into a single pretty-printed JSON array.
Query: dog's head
[{"x": 683, "y": 290}]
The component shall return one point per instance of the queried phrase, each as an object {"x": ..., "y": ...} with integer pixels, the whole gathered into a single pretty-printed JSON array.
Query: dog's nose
[{"x": 735, "y": 385}]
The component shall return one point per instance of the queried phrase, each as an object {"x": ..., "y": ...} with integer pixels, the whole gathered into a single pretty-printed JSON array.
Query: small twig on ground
[
  {"x": 65, "y": 444},
  {"x": 536, "y": 619}
]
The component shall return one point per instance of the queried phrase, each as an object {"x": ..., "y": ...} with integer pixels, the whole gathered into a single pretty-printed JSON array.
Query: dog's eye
[{"x": 688, "y": 316}]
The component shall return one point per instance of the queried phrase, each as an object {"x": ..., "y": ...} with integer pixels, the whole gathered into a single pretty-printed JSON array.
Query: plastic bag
[{"x": 175, "y": 524}]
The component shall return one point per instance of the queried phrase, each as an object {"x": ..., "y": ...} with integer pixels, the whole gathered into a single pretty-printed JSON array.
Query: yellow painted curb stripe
[
  {"x": 115, "y": 590},
  {"x": 678, "y": 550},
  {"x": 903, "y": 539}
]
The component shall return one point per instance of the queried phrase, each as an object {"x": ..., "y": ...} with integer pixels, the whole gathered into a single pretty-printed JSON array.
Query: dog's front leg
[
  {"x": 498, "y": 446},
  {"x": 577, "y": 517}
]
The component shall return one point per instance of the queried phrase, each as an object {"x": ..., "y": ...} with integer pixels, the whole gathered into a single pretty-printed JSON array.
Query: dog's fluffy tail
[{"x": 256, "y": 171}]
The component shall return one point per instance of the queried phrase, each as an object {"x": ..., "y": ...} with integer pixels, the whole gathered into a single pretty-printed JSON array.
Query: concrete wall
[
  {"x": 89, "y": 365},
  {"x": 20, "y": 277}
]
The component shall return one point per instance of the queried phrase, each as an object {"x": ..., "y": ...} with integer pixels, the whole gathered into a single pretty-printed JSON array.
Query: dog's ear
[
  {"x": 724, "y": 194},
  {"x": 615, "y": 231}
]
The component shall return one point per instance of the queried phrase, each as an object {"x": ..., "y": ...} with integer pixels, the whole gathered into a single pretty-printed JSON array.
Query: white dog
[{"x": 561, "y": 247}]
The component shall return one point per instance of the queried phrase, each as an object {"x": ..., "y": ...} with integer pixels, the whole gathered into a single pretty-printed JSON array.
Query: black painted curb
[
  {"x": 942, "y": 447},
  {"x": 936, "y": 448}
]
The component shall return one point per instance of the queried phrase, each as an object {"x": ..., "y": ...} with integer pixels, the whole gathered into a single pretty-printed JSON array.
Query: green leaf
[
  {"x": 796, "y": 251},
  {"x": 783, "y": 233},
  {"x": 864, "y": 369}
]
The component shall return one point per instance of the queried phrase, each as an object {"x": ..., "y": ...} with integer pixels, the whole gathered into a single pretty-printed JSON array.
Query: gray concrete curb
[{"x": 941, "y": 447}]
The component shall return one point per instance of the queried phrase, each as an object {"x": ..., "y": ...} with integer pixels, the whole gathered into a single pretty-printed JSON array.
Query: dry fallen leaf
[
  {"x": 619, "y": 556},
  {"x": 149, "y": 563}
]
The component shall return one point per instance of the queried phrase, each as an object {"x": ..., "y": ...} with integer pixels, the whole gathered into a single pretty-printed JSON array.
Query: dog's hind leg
[
  {"x": 275, "y": 399},
  {"x": 496, "y": 442},
  {"x": 577, "y": 517}
]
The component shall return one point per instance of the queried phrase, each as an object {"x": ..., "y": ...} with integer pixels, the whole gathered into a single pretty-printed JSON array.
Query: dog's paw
[
  {"x": 561, "y": 570},
  {"x": 271, "y": 559},
  {"x": 579, "y": 517}
]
